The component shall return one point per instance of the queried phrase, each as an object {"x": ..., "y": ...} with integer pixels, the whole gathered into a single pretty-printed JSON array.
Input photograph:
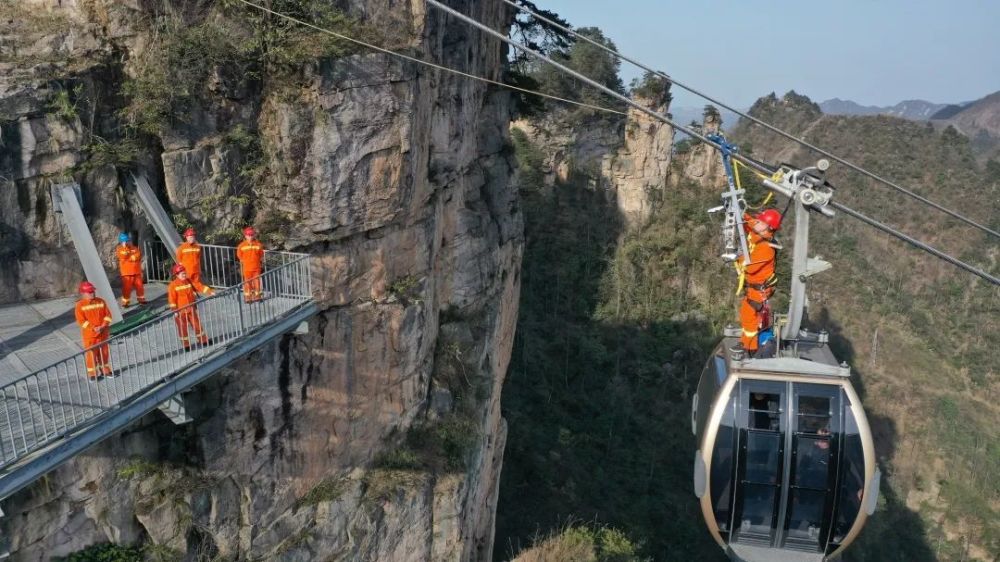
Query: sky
[{"x": 874, "y": 52}]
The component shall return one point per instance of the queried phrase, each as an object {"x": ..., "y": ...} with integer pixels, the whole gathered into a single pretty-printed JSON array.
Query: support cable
[
  {"x": 914, "y": 242},
  {"x": 764, "y": 124},
  {"x": 748, "y": 162},
  {"x": 428, "y": 63}
]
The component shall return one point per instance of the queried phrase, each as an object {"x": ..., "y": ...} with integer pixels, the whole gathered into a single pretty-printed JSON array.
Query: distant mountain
[
  {"x": 978, "y": 120},
  {"x": 910, "y": 109},
  {"x": 972, "y": 117},
  {"x": 949, "y": 111}
]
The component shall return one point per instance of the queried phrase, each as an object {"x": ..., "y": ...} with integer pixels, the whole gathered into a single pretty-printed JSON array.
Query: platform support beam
[
  {"x": 76, "y": 223},
  {"x": 174, "y": 410},
  {"x": 156, "y": 214}
]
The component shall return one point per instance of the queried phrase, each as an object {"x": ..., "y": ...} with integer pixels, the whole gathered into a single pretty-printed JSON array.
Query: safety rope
[{"x": 770, "y": 194}]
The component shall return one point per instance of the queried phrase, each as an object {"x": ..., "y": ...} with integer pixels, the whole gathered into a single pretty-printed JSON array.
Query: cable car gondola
[{"x": 785, "y": 468}]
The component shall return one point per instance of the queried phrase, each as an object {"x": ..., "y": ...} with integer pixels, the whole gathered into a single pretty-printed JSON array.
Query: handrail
[
  {"x": 49, "y": 403},
  {"x": 219, "y": 267}
]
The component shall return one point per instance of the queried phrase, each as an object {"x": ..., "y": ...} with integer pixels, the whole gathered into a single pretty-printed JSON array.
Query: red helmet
[
  {"x": 771, "y": 218},
  {"x": 178, "y": 268},
  {"x": 87, "y": 287},
  {"x": 249, "y": 231},
  {"x": 189, "y": 232}
]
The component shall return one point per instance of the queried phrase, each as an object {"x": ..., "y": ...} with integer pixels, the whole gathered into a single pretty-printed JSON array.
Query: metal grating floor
[{"x": 37, "y": 335}]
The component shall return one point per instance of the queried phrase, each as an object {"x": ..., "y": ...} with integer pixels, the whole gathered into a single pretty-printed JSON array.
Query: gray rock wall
[{"x": 396, "y": 179}]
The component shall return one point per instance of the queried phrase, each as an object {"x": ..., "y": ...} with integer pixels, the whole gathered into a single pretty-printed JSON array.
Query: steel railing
[
  {"x": 219, "y": 266},
  {"x": 44, "y": 406}
]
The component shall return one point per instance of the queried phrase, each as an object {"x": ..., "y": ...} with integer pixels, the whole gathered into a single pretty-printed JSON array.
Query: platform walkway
[{"x": 49, "y": 411}]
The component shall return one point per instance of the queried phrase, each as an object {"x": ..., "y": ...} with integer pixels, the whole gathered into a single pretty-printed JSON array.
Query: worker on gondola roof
[{"x": 759, "y": 276}]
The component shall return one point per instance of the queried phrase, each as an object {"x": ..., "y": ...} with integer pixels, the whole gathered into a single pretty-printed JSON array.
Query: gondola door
[
  {"x": 761, "y": 463},
  {"x": 814, "y": 443}
]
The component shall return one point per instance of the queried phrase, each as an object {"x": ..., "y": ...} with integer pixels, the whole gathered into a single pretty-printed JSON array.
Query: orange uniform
[
  {"x": 94, "y": 318},
  {"x": 759, "y": 286},
  {"x": 251, "y": 256},
  {"x": 180, "y": 294},
  {"x": 130, "y": 268},
  {"x": 189, "y": 255}
]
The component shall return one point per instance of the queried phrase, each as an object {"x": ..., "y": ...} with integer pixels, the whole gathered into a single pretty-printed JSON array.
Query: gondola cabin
[{"x": 785, "y": 470}]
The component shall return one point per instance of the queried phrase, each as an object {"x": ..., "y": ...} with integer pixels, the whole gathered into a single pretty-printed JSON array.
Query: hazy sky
[{"x": 875, "y": 52}]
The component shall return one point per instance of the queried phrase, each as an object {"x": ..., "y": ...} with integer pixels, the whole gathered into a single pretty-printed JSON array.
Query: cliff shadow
[
  {"x": 894, "y": 532},
  {"x": 597, "y": 407}
]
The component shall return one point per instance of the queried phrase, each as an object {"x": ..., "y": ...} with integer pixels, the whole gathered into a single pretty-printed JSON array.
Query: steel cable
[
  {"x": 764, "y": 124},
  {"x": 750, "y": 163}
]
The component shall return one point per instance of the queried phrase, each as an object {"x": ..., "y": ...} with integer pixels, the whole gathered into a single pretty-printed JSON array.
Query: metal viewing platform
[{"x": 50, "y": 412}]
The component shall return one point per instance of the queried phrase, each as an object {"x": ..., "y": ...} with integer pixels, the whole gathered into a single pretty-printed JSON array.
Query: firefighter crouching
[
  {"x": 94, "y": 318},
  {"x": 758, "y": 276},
  {"x": 181, "y": 292}
]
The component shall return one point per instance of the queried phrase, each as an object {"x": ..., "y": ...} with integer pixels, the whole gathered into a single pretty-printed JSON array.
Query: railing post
[{"x": 237, "y": 298}]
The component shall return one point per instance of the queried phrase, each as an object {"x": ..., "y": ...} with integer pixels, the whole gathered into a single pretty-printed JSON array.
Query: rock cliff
[
  {"x": 640, "y": 168},
  {"x": 378, "y": 435}
]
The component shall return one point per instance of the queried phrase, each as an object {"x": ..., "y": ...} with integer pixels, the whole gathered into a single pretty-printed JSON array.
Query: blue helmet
[{"x": 123, "y": 238}]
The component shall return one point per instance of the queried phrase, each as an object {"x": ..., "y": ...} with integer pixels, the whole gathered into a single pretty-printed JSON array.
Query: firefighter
[
  {"x": 250, "y": 253},
  {"x": 94, "y": 318},
  {"x": 130, "y": 268},
  {"x": 758, "y": 275},
  {"x": 189, "y": 255},
  {"x": 181, "y": 292}
]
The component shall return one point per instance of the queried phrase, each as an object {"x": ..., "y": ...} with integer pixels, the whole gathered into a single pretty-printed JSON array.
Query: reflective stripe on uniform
[
  {"x": 749, "y": 334},
  {"x": 92, "y": 306},
  {"x": 189, "y": 250},
  {"x": 182, "y": 287},
  {"x": 86, "y": 324}
]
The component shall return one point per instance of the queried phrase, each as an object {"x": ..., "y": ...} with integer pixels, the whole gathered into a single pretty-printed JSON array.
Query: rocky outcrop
[
  {"x": 699, "y": 163},
  {"x": 396, "y": 179},
  {"x": 573, "y": 142},
  {"x": 639, "y": 170}
]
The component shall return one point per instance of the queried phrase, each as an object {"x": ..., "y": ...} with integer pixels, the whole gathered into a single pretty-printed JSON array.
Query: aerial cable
[
  {"x": 748, "y": 162},
  {"x": 431, "y": 64},
  {"x": 764, "y": 124},
  {"x": 889, "y": 230}
]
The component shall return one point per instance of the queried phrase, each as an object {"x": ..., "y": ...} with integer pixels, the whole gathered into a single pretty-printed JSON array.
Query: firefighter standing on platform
[
  {"x": 94, "y": 318},
  {"x": 182, "y": 292},
  {"x": 189, "y": 255},
  {"x": 758, "y": 277},
  {"x": 250, "y": 254},
  {"x": 130, "y": 268}
]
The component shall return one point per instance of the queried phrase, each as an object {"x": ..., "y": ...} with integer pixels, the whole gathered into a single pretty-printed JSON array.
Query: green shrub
[
  {"x": 63, "y": 104},
  {"x": 327, "y": 490},
  {"x": 106, "y": 552},
  {"x": 530, "y": 162}
]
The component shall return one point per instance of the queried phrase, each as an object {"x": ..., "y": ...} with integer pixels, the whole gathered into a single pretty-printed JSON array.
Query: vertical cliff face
[
  {"x": 640, "y": 169},
  {"x": 378, "y": 435}
]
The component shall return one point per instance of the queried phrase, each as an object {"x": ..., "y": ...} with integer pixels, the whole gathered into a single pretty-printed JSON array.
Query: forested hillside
[{"x": 615, "y": 325}]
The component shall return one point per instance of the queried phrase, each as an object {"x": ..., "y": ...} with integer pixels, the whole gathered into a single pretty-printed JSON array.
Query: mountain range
[{"x": 908, "y": 109}]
